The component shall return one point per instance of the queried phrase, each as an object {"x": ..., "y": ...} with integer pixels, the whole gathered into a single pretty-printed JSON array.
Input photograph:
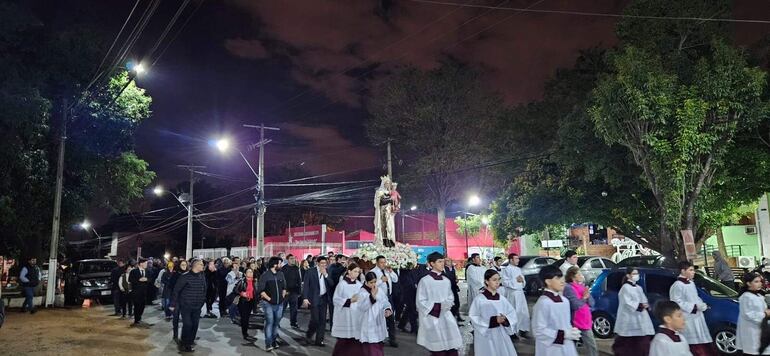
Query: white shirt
[
  {"x": 392, "y": 278},
  {"x": 752, "y": 311},
  {"x": 686, "y": 295},
  {"x": 321, "y": 283},
  {"x": 565, "y": 266},
  {"x": 663, "y": 345}
]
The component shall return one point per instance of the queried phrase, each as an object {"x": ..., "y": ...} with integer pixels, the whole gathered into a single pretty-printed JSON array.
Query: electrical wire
[
  {"x": 173, "y": 38},
  {"x": 594, "y": 14}
]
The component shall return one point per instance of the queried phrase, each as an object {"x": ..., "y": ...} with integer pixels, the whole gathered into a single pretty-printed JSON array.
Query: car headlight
[{"x": 86, "y": 283}]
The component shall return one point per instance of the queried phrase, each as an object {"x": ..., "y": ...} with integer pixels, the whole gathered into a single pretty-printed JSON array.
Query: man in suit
[
  {"x": 317, "y": 294},
  {"x": 408, "y": 283},
  {"x": 386, "y": 277},
  {"x": 139, "y": 280},
  {"x": 451, "y": 273},
  {"x": 336, "y": 270}
]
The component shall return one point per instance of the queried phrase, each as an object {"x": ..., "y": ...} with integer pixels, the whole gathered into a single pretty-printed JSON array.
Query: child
[
  {"x": 513, "y": 281},
  {"x": 668, "y": 341},
  {"x": 633, "y": 326},
  {"x": 347, "y": 317},
  {"x": 753, "y": 310},
  {"x": 374, "y": 307},
  {"x": 554, "y": 334},
  {"x": 684, "y": 293},
  {"x": 438, "y": 330},
  {"x": 493, "y": 319},
  {"x": 580, "y": 303}
]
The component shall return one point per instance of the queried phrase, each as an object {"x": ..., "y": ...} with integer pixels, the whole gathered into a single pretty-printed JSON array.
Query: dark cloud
[{"x": 252, "y": 49}]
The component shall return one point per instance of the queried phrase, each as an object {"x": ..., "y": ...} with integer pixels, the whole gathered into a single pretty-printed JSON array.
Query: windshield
[
  {"x": 523, "y": 261},
  {"x": 97, "y": 267},
  {"x": 713, "y": 287},
  {"x": 582, "y": 260}
]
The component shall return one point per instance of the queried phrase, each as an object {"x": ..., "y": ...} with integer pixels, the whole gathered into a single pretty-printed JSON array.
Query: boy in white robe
[
  {"x": 684, "y": 293},
  {"x": 474, "y": 275},
  {"x": 438, "y": 331},
  {"x": 752, "y": 310},
  {"x": 551, "y": 319},
  {"x": 668, "y": 341},
  {"x": 347, "y": 317},
  {"x": 513, "y": 283},
  {"x": 493, "y": 319}
]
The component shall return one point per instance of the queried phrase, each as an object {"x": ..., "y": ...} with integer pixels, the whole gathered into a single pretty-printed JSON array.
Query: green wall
[{"x": 736, "y": 235}]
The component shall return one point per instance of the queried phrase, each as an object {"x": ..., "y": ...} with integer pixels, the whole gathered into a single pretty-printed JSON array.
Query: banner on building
[{"x": 689, "y": 244}]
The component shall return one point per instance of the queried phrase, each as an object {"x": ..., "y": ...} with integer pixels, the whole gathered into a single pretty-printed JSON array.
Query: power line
[
  {"x": 173, "y": 38},
  {"x": 594, "y": 14}
]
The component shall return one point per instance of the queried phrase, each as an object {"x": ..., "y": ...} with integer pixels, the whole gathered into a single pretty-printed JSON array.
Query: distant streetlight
[
  {"x": 139, "y": 69},
  {"x": 485, "y": 220},
  {"x": 604, "y": 194},
  {"x": 474, "y": 201},
  {"x": 223, "y": 144},
  {"x": 167, "y": 256},
  {"x": 158, "y": 191},
  {"x": 413, "y": 208},
  {"x": 85, "y": 225}
]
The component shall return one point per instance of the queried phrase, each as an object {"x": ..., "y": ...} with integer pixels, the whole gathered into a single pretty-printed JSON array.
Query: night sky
[{"x": 306, "y": 66}]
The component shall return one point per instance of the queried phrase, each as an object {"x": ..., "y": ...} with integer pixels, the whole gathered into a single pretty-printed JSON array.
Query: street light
[
  {"x": 473, "y": 201},
  {"x": 184, "y": 198},
  {"x": 85, "y": 225},
  {"x": 139, "y": 69},
  {"x": 223, "y": 144},
  {"x": 413, "y": 208}
]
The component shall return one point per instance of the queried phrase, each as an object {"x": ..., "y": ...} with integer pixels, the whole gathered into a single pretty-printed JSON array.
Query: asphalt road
[{"x": 220, "y": 336}]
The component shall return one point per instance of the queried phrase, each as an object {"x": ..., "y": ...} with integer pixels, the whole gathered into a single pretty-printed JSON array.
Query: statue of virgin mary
[{"x": 384, "y": 219}]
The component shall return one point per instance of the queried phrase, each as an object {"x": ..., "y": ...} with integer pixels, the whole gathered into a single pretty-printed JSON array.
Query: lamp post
[
  {"x": 186, "y": 201},
  {"x": 86, "y": 226},
  {"x": 473, "y": 201}
]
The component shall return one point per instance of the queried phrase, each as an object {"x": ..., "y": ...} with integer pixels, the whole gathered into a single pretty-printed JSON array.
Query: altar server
[
  {"x": 438, "y": 330},
  {"x": 684, "y": 293},
  {"x": 347, "y": 317},
  {"x": 513, "y": 283},
  {"x": 374, "y": 308},
  {"x": 493, "y": 319},
  {"x": 551, "y": 324},
  {"x": 633, "y": 327},
  {"x": 668, "y": 341},
  {"x": 753, "y": 310},
  {"x": 474, "y": 275}
]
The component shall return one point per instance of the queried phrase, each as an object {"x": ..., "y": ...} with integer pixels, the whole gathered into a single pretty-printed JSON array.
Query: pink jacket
[{"x": 581, "y": 318}]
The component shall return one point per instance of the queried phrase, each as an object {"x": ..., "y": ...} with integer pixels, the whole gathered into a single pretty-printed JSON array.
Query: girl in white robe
[
  {"x": 438, "y": 331},
  {"x": 633, "y": 325},
  {"x": 551, "y": 318},
  {"x": 668, "y": 341},
  {"x": 493, "y": 319},
  {"x": 474, "y": 275},
  {"x": 753, "y": 310},
  {"x": 684, "y": 293},
  {"x": 374, "y": 307},
  {"x": 347, "y": 317},
  {"x": 513, "y": 281}
]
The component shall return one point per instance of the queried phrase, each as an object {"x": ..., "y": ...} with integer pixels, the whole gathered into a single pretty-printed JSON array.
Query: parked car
[
  {"x": 648, "y": 261},
  {"x": 590, "y": 266},
  {"x": 530, "y": 266},
  {"x": 721, "y": 317},
  {"x": 88, "y": 279}
]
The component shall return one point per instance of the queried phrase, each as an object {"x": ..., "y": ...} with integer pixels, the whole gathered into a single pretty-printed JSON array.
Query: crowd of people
[{"x": 363, "y": 302}]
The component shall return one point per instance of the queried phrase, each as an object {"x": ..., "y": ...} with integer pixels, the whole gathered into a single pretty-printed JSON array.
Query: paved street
[{"x": 220, "y": 336}]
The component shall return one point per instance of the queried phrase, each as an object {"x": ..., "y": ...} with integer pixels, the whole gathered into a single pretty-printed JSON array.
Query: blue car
[{"x": 721, "y": 317}]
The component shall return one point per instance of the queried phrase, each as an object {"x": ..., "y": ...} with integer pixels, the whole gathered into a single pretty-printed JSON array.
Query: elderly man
[{"x": 723, "y": 272}]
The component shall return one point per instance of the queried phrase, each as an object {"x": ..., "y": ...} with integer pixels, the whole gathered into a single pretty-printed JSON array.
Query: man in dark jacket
[
  {"x": 30, "y": 277},
  {"x": 222, "y": 271},
  {"x": 451, "y": 272},
  {"x": 152, "y": 274},
  {"x": 211, "y": 288},
  {"x": 293, "y": 275},
  {"x": 114, "y": 282},
  {"x": 336, "y": 270},
  {"x": 190, "y": 292},
  {"x": 139, "y": 286},
  {"x": 316, "y": 294},
  {"x": 408, "y": 283},
  {"x": 272, "y": 293}
]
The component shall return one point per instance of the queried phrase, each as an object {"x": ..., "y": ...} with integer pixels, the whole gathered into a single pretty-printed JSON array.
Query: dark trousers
[
  {"x": 456, "y": 306},
  {"x": 126, "y": 304},
  {"x": 211, "y": 296},
  {"x": 409, "y": 315},
  {"x": 138, "y": 309},
  {"x": 292, "y": 302},
  {"x": 223, "y": 301},
  {"x": 317, "y": 324},
  {"x": 116, "y": 300},
  {"x": 244, "y": 308},
  {"x": 175, "y": 322},
  {"x": 29, "y": 299},
  {"x": 391, "y": 323},
  {"x": 397, "y": 305},
  {"x": 152, "y": 292},
  {"x": 331, "y": 315},
  {"x": 190, "y": 319}
]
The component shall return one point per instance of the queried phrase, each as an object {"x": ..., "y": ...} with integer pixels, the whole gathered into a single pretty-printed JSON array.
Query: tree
[
  {"x": 437, "y": 120},
  {"x": 44, "y": 66}
]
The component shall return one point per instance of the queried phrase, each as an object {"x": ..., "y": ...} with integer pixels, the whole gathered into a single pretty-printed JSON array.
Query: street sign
[
  {"x": 689, "y": 244},
  {"x": 552, "y": 243}
]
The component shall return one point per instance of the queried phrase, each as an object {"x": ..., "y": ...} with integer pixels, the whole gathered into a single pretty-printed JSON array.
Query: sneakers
[{"x": 269, "y": 348}]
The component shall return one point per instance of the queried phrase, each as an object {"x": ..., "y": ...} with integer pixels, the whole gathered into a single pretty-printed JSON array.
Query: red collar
[
  {"x": 436, "y": 276},
  {"x": 554, "y": 297},
  {"x": 670, "y": 333},
  {"x": 684, "y": 280},
  {"x": 489, "y": 295},
  {"x": 349, "y": 280}
]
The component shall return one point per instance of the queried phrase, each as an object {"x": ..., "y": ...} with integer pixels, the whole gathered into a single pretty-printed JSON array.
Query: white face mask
[{"x": 635, "y": 278}]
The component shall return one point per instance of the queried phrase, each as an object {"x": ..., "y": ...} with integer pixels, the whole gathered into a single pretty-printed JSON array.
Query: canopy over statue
[{"x": 387, "y": 203}]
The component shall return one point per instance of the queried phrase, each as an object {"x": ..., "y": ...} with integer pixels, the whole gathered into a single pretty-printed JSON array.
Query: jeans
[
  {"x": 273, "y": 313},
  {"x": 587, "y": 336},
  {"x": 29, "y": 299},
  {"x": 117, "y": 300},
  {"x": 292, "y": 302},
  {"x": 167, "y": 306},
  {"x": 190, "y": 319}
]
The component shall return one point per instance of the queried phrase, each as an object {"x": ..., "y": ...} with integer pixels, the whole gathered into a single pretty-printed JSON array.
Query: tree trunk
[
  {"x": 441, "y": 217},
  {"x": 721, "y": 242}
]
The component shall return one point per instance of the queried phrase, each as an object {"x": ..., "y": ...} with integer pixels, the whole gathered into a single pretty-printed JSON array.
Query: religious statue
[{"x": 384, "y": 216}]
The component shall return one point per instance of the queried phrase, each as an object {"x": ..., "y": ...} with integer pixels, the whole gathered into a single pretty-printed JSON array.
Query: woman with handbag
[{"x": 245, "y": 301}]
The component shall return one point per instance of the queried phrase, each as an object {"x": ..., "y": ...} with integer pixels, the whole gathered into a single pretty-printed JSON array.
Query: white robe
[
  {"x": 514, "y": 292},
  {"x": 347, "y": 320},
  {"x": 662, "y": 345},
  {"x": 630, "y": 321},
  {"x": 392, "y": 278},
  {"x": 564, "y": 267},
  {"x": 492, "y": 341},
  {"x": 548, "y": 318},
  {"x": 752, "y": 311},
  {"x": 442, "y": 333},
  {"x": 475, "y": 277},
  {"x": 686, "y": 295},
  {"x": 373, "y": 326}
]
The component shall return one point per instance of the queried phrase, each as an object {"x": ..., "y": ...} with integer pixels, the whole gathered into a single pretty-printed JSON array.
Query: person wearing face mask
[
  {"x": 580, "y": 302},
  {"x": 633, "y": 325}
]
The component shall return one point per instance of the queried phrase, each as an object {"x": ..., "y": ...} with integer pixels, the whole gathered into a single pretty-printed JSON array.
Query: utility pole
[
  {"x": 390, "y": 165},
  {"x": 189, "y": 247},
  {"x": 53, "y": 263},
  {"x": 261, "y": 208}
]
